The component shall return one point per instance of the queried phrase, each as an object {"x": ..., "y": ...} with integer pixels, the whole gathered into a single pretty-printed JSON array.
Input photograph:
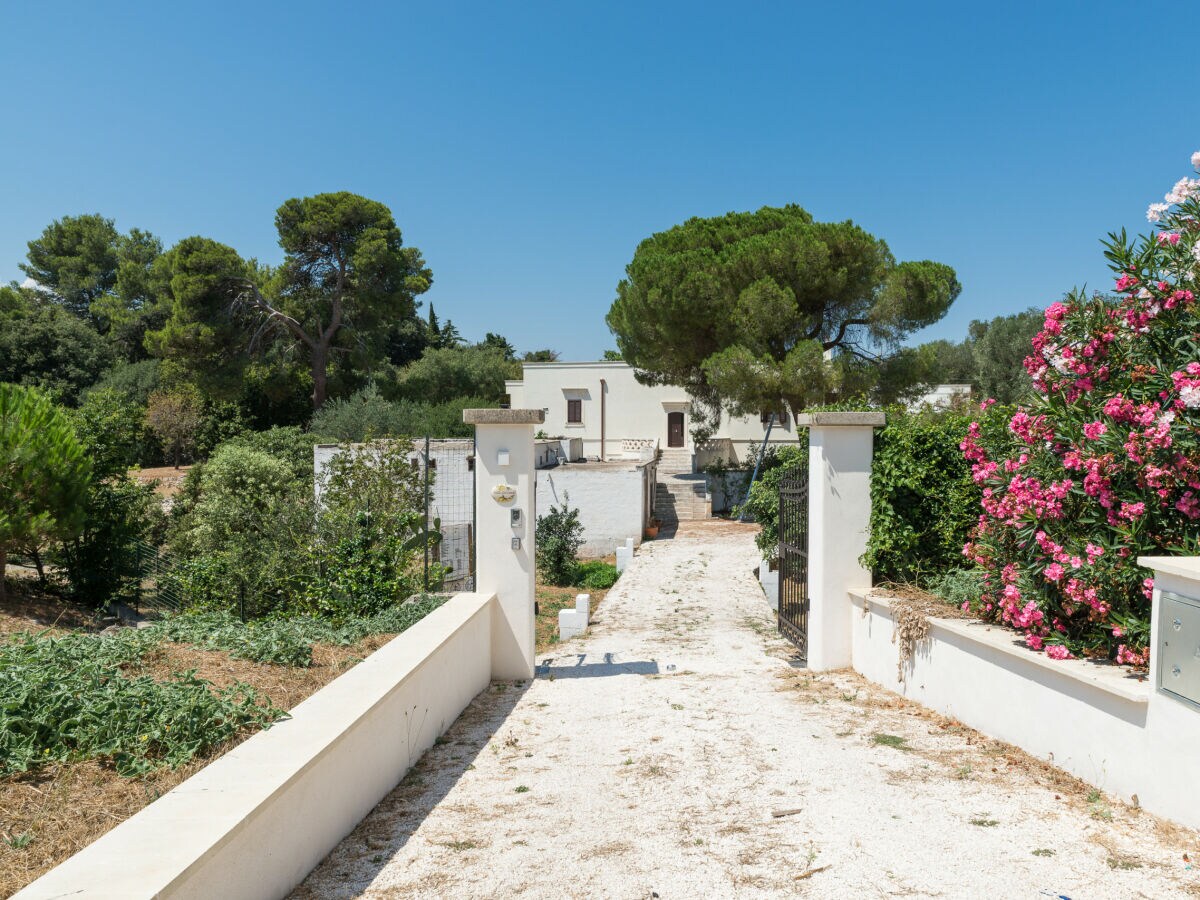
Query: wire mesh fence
[
  {"x": 448, "y": 470},
  {"x": 154, "y": 589}
]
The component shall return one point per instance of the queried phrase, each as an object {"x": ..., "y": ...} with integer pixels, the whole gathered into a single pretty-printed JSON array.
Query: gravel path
[{"x": 648, "y": 759}]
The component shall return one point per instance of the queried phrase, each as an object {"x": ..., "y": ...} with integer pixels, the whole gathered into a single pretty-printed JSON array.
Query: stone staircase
[
  {"x": 675, "y": 461},
  {"x": 680, "y": 494}
]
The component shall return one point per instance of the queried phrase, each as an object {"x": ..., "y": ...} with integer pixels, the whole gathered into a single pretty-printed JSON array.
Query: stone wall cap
[
  {"x": 1179, "y": 566},
  {"x": 504, "y": 416},
  {"x": 841, "y": 418}
]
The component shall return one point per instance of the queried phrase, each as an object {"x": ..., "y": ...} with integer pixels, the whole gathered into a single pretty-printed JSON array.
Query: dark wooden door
[{"x": 675, "y": 429}]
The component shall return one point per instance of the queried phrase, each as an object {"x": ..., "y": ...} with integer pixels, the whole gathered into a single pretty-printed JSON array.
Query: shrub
[
  {"x": 370, "y": 531},
  {"x": 958, "y": 586},
  {"x": 248, "y": 527},
  {"x": 288, "y": 444},
  {"x": 763, "y": 502},
  {"x": 596, "y": 574},
  {"x": 924, "y": 501},
  {"x": 102, "y": 562},
  {"x": 1107, "y": 463},
  {"x": 558, "y": 537},
  {"x": 367, "y": 414}
]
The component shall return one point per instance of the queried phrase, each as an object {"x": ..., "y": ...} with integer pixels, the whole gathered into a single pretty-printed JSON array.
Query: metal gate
[{"x": 793, "y": 558}]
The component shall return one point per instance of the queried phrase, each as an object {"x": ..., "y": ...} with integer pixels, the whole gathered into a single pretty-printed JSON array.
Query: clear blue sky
[{"x": 526, "y": 148}]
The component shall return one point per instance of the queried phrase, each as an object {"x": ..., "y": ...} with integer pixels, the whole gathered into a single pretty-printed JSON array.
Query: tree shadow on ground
[
  {"x": 357, "y": 860},
  {"x": 582, "y": 668}
]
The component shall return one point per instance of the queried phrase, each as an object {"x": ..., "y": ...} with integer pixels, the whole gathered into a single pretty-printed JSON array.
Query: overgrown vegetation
[{"x": 79, "y": 696}]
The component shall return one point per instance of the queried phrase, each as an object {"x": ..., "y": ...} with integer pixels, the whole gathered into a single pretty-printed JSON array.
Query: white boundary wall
[
  {"x": 612, "y": 501},
  {"x": 1098, "y": 722},
  {"x": 255, "y": 822}
]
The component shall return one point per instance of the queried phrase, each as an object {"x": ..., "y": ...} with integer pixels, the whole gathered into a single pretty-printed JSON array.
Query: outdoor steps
[
  {"x": 680, "y": 498},
  {"x": 674, "y": 462}
]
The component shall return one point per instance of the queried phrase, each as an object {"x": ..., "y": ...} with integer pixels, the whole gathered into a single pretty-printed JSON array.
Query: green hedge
[{"x": 923, "y": 499}]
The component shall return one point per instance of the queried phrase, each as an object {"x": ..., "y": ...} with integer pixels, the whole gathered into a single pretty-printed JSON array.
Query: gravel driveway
[{"x": 675, "y": 751}]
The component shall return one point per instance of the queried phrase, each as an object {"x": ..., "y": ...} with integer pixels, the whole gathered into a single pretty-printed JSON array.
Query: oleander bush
[{"x": 1106, "y": 466}]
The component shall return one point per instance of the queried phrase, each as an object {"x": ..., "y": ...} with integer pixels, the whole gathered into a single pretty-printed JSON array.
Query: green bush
[
  {"x": 763, "y": 503},
  {"x": 924, "y": 501},
  {"x": 558, "y": 536},
  {"x": 959, "y": 587},
  {"x": 367, "y": 414},
  {"x": 247, "y": 526},
  {"x": 596, "y": 574}
]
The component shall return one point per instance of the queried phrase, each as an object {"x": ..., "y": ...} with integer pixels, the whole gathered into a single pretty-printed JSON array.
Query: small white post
[
  {"x": 840, "y": 447},
  {"x": 624, "y": 557},
  {"x": 505, "y": 515},
  {"x": 583, "y": 606}
]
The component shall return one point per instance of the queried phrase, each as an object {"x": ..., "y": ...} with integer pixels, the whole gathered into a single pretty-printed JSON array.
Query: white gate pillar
[
  {"x": 840, "y": 447},
  {"x": 505, "y": 517}
]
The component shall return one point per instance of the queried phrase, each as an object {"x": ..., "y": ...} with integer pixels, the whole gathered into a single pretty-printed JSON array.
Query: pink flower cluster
[{"x": 1104, "y": 465}]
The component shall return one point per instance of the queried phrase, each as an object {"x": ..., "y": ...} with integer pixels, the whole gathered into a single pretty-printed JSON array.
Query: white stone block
[
  {"x": 624, "y": 558},
  {"x": 570, "y": 624},
  {"x": 583, "y": 606},
  {"x": 770, "y": 583},
  {"x": 629, "y": 545}
]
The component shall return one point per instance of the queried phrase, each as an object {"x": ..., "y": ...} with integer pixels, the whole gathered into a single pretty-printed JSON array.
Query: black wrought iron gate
[{"x": 793, "y": 558}]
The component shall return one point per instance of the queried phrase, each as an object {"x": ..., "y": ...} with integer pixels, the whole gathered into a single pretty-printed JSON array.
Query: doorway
[{"x": 675, "y": 429}]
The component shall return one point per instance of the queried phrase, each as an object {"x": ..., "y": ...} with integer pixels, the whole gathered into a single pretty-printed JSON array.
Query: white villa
[{"x": 604, "y": 405}]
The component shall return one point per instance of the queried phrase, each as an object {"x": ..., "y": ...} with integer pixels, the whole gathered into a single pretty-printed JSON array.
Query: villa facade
[{"x": 602, "y": 404}]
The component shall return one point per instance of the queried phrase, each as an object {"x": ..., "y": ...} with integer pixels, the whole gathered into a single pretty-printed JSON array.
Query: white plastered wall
[
  {"x": 633, "y": 411},
  {"x": 611, "y": 502}
]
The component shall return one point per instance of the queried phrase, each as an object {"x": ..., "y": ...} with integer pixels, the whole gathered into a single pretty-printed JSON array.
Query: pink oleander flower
[
  {"x": 1054, "y": 572},
  {"x": 1093, "y": 431},
  {"x": 1118, "y": 631},
  {"x": 1168, "y": 237},
  {"x": 1058, "y": 651},
  {"x": 1033, "y": 641}
]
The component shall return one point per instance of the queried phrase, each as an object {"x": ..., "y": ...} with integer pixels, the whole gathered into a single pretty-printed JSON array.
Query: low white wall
[
  {"x": 256, "y": 821},
  {"x": 611, "y": 502},
  {"x": 1098, "y": 722}
]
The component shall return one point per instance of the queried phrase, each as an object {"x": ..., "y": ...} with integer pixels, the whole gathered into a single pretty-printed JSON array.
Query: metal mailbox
[{"x": 1179, "y": 646}]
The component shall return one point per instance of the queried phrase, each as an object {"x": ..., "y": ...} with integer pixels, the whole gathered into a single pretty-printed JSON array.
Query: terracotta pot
[{"x": 651, "y": 532}]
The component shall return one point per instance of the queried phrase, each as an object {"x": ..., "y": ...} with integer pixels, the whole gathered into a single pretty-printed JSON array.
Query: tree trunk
[
  {"x": 320, "y": 357},
  {"x": 40, "y": 566}
]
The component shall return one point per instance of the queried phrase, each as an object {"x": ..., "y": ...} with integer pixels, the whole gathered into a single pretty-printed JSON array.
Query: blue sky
[{"x": 527, "y": 148}]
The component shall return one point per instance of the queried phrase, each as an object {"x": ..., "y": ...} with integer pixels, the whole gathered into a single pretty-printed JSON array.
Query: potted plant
[{"x": 652, "y": 529}]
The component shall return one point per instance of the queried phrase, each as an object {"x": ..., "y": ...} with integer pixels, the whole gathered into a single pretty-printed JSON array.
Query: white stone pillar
[
  {"x": 840, "y": 446},
  {"x": 505, "y": 516}
]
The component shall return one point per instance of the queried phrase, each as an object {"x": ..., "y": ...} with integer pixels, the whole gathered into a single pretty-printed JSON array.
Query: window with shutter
[{"x": 574, "y": 412}]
